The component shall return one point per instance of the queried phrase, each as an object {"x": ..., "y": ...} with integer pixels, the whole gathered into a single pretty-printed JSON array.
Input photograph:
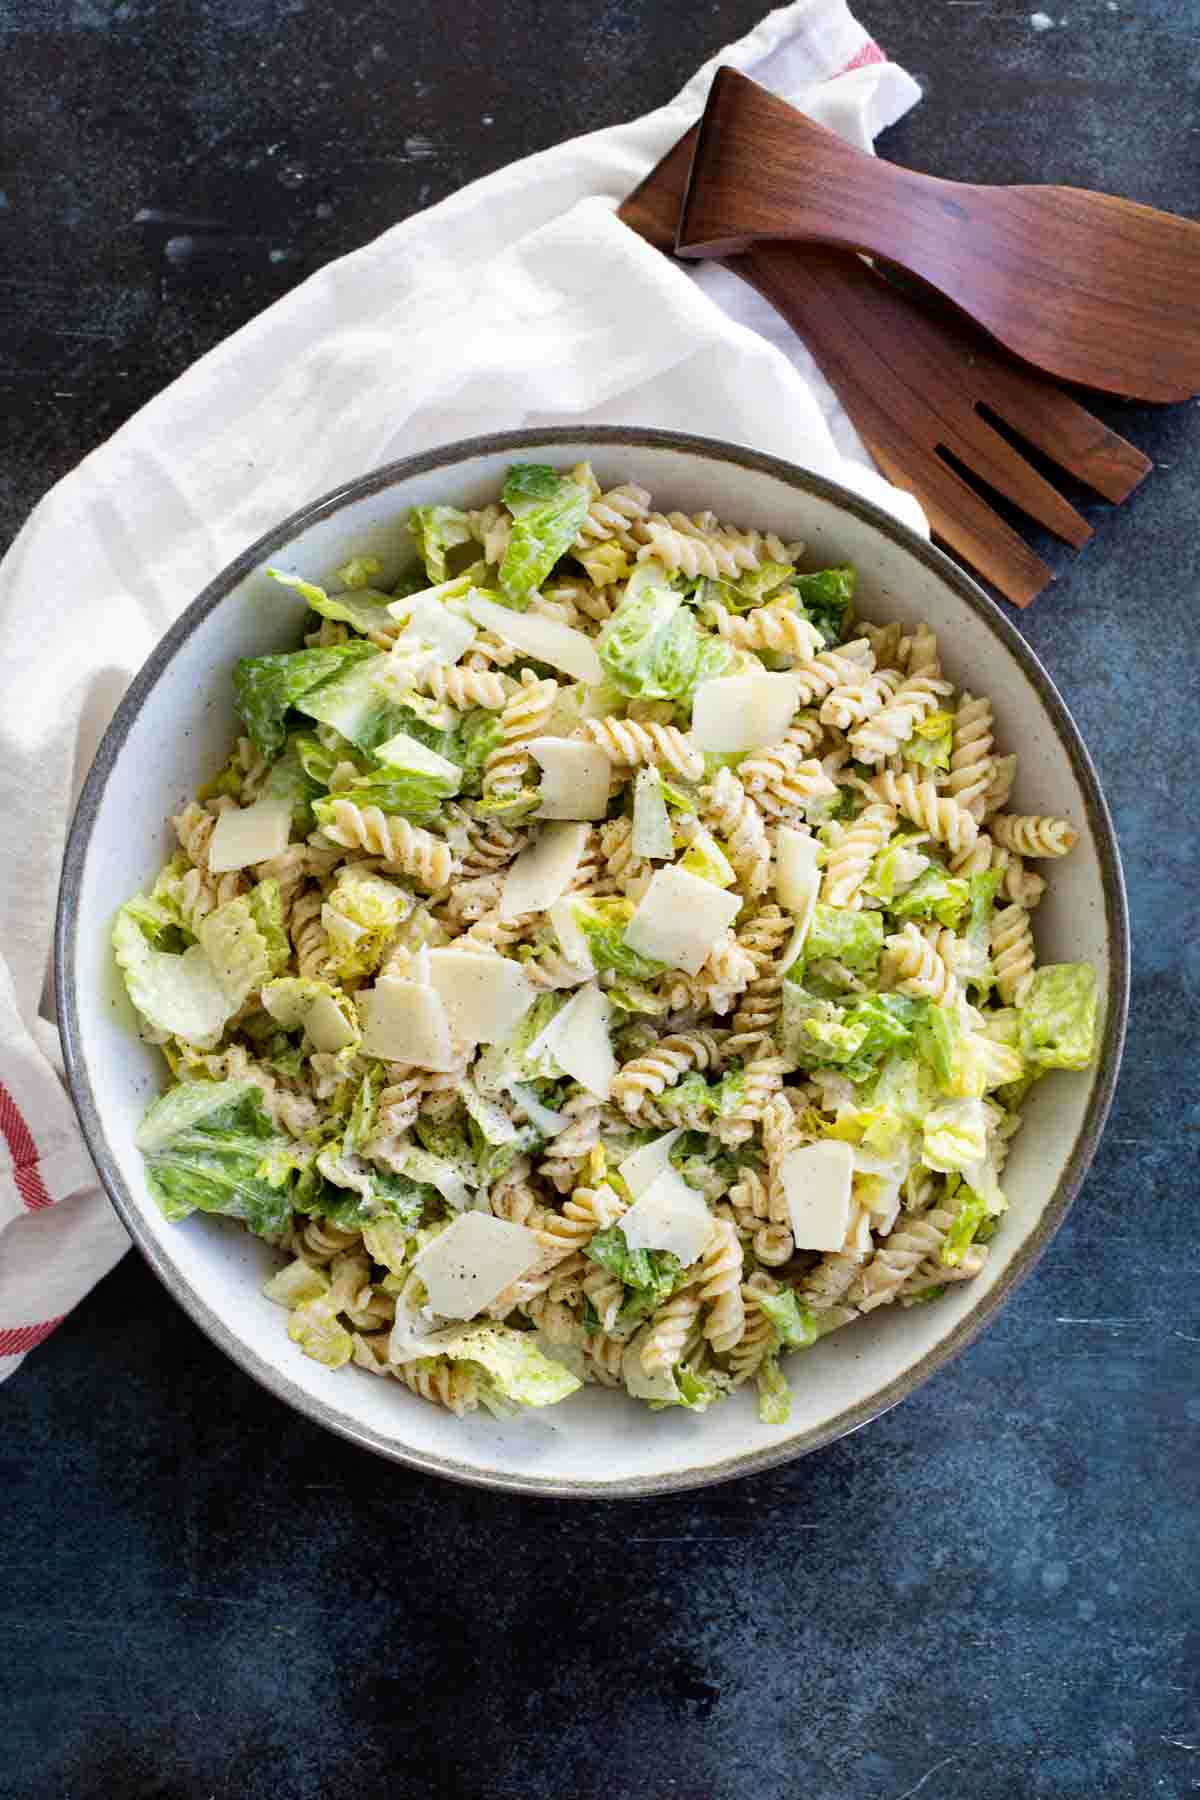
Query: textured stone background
[{"x": 990, "y": 1592}]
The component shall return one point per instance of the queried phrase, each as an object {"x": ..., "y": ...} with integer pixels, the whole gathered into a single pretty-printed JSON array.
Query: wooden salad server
[
  {"x": 1089, "y": 288},
  {"x": 913, "y": 382}
]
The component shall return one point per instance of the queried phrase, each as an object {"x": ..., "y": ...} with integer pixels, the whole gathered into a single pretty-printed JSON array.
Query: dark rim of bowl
[{"x": 1099, "y": 820}]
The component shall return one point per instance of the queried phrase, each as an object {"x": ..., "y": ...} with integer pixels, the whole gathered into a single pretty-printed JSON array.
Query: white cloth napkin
[{"x": 520, "y": 301}]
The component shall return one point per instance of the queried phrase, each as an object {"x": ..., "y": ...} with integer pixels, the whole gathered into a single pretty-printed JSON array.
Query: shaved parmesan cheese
[
  {"x": 402, "y": 1022},
  {"x": 404, "y": 752},
  {"x": 577, "y": 1038},
  {"x": 679, "y": 919},
  {"x": 543, "y": 872},
  {"x": 548, "y": 640},
  {"x": 472, "y": 1261},
  {"x": 816, "y": 1184},
  {"x": 327, "y": 1025},
  {"x": 652, "y": 834},
  {"x": 250, "y": 835},
  {"x": 431, "y": 625},
  {"x": 669, "y": 1215},
  {"x": 572, "y": 940},
  {"x": 484, "y": 994},
  {"x": 742, "y": 712},
  {"x": 644, "y": 1166},
  {"x": 575, "y": 778},
  {"x": 796, "y": 876}
]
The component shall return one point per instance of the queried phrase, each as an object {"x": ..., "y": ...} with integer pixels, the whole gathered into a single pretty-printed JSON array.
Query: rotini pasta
[{"x": 859, "y": 984}]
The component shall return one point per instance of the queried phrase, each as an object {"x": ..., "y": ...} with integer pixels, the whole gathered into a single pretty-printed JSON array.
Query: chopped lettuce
[
  {"x": 291, "y": 999},
  {"x": 971, "y": 1214},
  {"x": 897, "y": 866},
  {"x": 955, "y": 1135},
  {"x": 547, "y": 511},
  {"x": 245, "y": 942},
  {"x": 652, "y": 647},
  {"x": 292, "y": 778},
  {"x": 697, "y": 1390},
  {"x": 650, "y": 1275},
  {"x": 603, "y": 923},
  {"x": 1058, "y": 1019},
  {"x": 939, "y": 1035},
  {"x": 652, "y": 834},
  {"x": 720, "y": 1098},
  {"x": 795, "y": 1326},
  {"x": 973, "y": 954},
  {"x": 418, "y": 798},
  {"x": 827, "y": 599},
  {"x": 935, "y": 894},
  {"x": 500, "y": 1066},
  {"x": 296, "y": 1283},
  {"x": 855, "y": 1038},
  {"x": 854, "y": 939},
  {"x": 265, "y": 688},
  {"x": 474, "y": 740},
  {"x": 314, "y": 1326},
  {"x": 517, "y": 1370},
  {"x": 774, "y": 1393},
  {"x": 205, "y": 1143},
  {"x": 931, "y": 741},
  {"x": 354, "y": 1193},
  {"x": 359, "y": 572},
  {"x": 361, "y": 608},
  {"x": 704, "y": 857},
  {"x": 176, "y": 993},
  {"x": 360, "y": 916},
  {"x": 367, "y": 702},
  {"x": 438, "y": 530}
]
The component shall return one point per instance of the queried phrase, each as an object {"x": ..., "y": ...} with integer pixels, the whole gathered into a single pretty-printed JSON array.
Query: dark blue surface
[{"x": 988, "y": 1594}]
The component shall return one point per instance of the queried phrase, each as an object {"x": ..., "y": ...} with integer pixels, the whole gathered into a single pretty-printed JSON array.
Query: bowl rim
[{"x": 379, "y": 481}]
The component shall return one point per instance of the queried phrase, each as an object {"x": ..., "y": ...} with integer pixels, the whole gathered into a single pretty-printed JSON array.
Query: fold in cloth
[{"x": 521, "y": 300}]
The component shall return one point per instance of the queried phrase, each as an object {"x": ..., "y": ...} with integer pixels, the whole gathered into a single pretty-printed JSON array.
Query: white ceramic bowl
[{"x": 174, "y": 727}]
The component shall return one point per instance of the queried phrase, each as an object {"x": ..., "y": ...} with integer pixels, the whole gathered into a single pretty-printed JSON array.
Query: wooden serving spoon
[
  {"x": 913, "y": 381},
  {"x": 1089, "y": 288}
]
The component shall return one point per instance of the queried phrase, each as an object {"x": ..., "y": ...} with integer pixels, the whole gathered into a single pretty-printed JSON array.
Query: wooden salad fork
[
  {"x": 913, "y": 382},
  {"x": 1086, "y": 287}
]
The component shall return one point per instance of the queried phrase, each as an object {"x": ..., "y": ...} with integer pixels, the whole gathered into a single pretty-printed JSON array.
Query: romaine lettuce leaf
[
  {"x": 361, "y": 608},
  {"x": 827, "y": 598},
  {"x": 955, "y": 1135},
  {"x": 1058, "y": 1019},
  {"x": 705, "y": 857},
  {"x": 205, "y": 1143},
  {"x": 698, "y": 1390},
  {"x": 603, "y": 923},
  {"x": 545, "y": 526},
  {"x": 854, "y": 939},
  {"x": 774, "y": 1393},
  {"x": 935, "y": 894},
  {"x": 265, "y": 688},
  {"x": 652, "y": 647},
  {"x": 367, "y": 702},
  {"x": 360, "y": 916},
  {"x": 931, "y": 741},
  {"x": 897, "y": 866},
  {"x": 819, "y": 1034},
  {"x": 971, "y": 1214},
  {"x": 795, "y": 1326},
  {"x": 245, "y": 943},
  {"x": 652, "y": 834},
  {"x": 179, "y": 994},
  {"x": 438, "y": 530},
  {"x": 516, "y": 1368},
  {"x": 314, "y": 1326},
  {"x": 651, "y": 1275}
]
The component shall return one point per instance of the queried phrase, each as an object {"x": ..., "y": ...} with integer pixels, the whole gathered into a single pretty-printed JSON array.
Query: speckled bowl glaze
[{"x": 173, "y": 728}]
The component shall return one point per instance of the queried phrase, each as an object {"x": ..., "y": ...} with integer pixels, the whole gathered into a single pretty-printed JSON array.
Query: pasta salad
[{"x": 603, "y": 958}]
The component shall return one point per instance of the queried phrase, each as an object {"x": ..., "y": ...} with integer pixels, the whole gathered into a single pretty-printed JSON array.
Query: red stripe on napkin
[
  {"x": 870, "y": 53},
  {"x": 26, "y": 1173},
  {"x": 20, "y": 1338}
]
